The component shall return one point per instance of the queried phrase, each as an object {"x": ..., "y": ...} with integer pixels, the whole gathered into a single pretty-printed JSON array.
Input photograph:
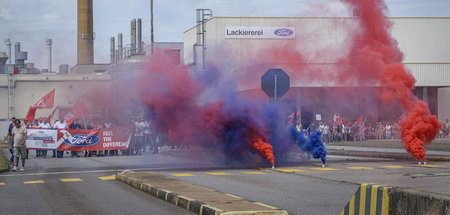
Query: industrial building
[
  {"x": 21, "y": 85},
  {"x": 423, "y": 40}
]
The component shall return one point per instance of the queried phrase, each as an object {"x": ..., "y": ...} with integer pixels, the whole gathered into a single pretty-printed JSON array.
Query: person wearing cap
[{"x": 19, "y": 138}]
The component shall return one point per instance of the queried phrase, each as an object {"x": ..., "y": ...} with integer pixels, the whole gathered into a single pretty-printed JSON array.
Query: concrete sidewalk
[
  {"x": 198, "y": 199},
  {"x": 390, "y": 153},
  {"x": 388, "y": 150}
]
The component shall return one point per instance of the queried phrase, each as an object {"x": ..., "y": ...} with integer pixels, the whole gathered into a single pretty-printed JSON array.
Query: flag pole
[{"x": 84, "y": 121}]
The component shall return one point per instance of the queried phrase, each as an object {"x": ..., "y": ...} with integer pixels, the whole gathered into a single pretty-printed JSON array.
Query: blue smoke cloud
[{"x": 315, "y": 146}]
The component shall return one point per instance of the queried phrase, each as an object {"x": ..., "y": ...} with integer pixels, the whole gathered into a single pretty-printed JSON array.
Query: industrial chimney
[
  {"x": 8, "y": 48},
  {"x": 119, "y": 46},
  {"x": 85, "y": 36},
  {"x": 133, "y": 37},
  {"x": 113, "y": 50},
  {"x": 49, "y": 50},
  {"x": 139, "y": 36}
]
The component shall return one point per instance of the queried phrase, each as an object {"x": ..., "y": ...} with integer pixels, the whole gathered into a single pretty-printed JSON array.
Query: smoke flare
[
  {"x": 374, "y": 49},
  {"x": 230, "y": 123},
  {"x": 315, "y": 146}
]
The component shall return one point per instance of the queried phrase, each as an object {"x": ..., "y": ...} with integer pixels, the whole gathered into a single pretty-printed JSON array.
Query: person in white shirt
[
  {"x": 139, "y": 135},
  {"x": 43, "y": 125},
  {"x": 108, "y": 124},
  {"x": 59, "y": 125},
  {"x": 146, "y": 134},
  {"x": 388, "y": 131},
  {"x": 326, "y": 134}
]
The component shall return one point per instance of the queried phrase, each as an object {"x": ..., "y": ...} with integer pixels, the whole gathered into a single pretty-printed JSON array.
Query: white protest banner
[{"x": 41, "y": 139}]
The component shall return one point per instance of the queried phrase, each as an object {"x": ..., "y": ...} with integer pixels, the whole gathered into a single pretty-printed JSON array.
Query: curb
[
  {"x": 368, "y": 199},
  {"x": 5, "y": 169},
  {"x": 384, "y": 200},
  {"x": 188, "y": 203},
  {"x": 4, "y": 159}
]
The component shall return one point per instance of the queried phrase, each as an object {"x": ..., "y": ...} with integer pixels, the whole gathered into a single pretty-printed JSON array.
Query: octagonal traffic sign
[{"x": 275, "y": 83}]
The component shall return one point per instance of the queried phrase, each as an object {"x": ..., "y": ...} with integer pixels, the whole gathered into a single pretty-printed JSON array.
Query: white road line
[{"x": 89, "y": 171}]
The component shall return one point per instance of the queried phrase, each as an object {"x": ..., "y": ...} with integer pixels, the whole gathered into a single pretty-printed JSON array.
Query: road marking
[
  {"x": 94, "y": 171},
  {"x": 218, "y": 173},
  {"x": 231, "y": 195},
  {"x": 34, "y": 182},
  {"x": 325, "y": 169},
  {"x": 71, "y": 179},
  {"x": 397, "y": 167},
  {"x": 264, "y": 205},
  {"x": 183, "y": 174},
  {"x": 289, "y": 170},
  {"x": 2, "y": 183},
  {"x": 428, "y": 165},
  {"x": 111, "y": 177},
  {"x": 255, "y": 173},
  {"x": 359, "y": 167}
]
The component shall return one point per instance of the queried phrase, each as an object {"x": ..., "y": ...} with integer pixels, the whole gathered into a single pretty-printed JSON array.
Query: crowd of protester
[
  {"x": 144, "y": 137},
  {"x": 354, "y": 131}
]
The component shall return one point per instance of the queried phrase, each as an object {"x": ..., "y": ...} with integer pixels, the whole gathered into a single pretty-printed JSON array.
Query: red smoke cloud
[
  {"x": 376, "y": 51},
  {"x": 373, "y": 58}
]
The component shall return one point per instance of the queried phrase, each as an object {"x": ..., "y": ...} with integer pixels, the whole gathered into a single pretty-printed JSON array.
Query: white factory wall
[
  {"x": 30, "y": 88},
  {"x": 443, "y": 104},
  {"x": 423, "y": 40}
]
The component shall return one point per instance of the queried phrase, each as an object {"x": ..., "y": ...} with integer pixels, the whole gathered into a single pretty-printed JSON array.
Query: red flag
[
  {"x": 31, "y": 114},
  {"x": 360, "y": 120},
  {"x": 46, "y": 102},
  {"x": 51, "y": 115},
  {"x": 78, "y": 110},
  {"x": 341, "y": 119},
  {"x": 291, "y": 119}
]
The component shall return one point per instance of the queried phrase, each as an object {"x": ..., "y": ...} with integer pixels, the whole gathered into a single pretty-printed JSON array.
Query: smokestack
[
  {"x": 119, "y": 45},
  {"x": 49, "y": 50},
  {"x": 133, "y": 37},
  {"x": 8, "y": 48},
  {"x": 139, "y": 36},
  {"x": 16, "y": 48},
  {"x": 85, "y": 37},
  {"x": 113, "y": 50}
]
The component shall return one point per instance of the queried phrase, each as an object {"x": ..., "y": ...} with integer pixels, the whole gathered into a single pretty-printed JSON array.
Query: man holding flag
[{"x": 45, "y": 102}]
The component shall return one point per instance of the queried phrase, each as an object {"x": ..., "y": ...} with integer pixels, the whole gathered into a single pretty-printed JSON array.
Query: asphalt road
[
  {"x": 295, "y": 193},
  {"x": 79, "y": 186},
  {"x": 89, "y": 196}
]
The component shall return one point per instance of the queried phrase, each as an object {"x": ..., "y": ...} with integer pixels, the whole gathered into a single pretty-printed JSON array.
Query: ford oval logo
[
  {"x": 82, "y": 140},
  {"x": 283, "y": 32}
]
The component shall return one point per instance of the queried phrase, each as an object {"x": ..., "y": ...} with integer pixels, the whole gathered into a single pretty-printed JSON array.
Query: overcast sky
[{"x": 32, "y": 21}]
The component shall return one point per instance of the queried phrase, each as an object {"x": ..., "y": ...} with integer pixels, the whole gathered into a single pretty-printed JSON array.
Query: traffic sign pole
[{"x": 275, "y": 90}]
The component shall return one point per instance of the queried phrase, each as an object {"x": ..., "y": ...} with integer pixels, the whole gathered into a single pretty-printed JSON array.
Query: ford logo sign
[
  {"x": 82, "y": 140},
  {"x": 283, "y": 32}
]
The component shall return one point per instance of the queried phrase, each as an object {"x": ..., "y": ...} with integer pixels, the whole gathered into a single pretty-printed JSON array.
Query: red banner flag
[
  {"x": 93, "y": 140},
  {"x": 341, "y": 119},
  {"x": 78, "y": 110},
  {"x": 31, "y": 114},
  {"x": 49, "y": 118},
  {"x": 360, "y": 120},
  {"x": 46, "y": 102}
]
